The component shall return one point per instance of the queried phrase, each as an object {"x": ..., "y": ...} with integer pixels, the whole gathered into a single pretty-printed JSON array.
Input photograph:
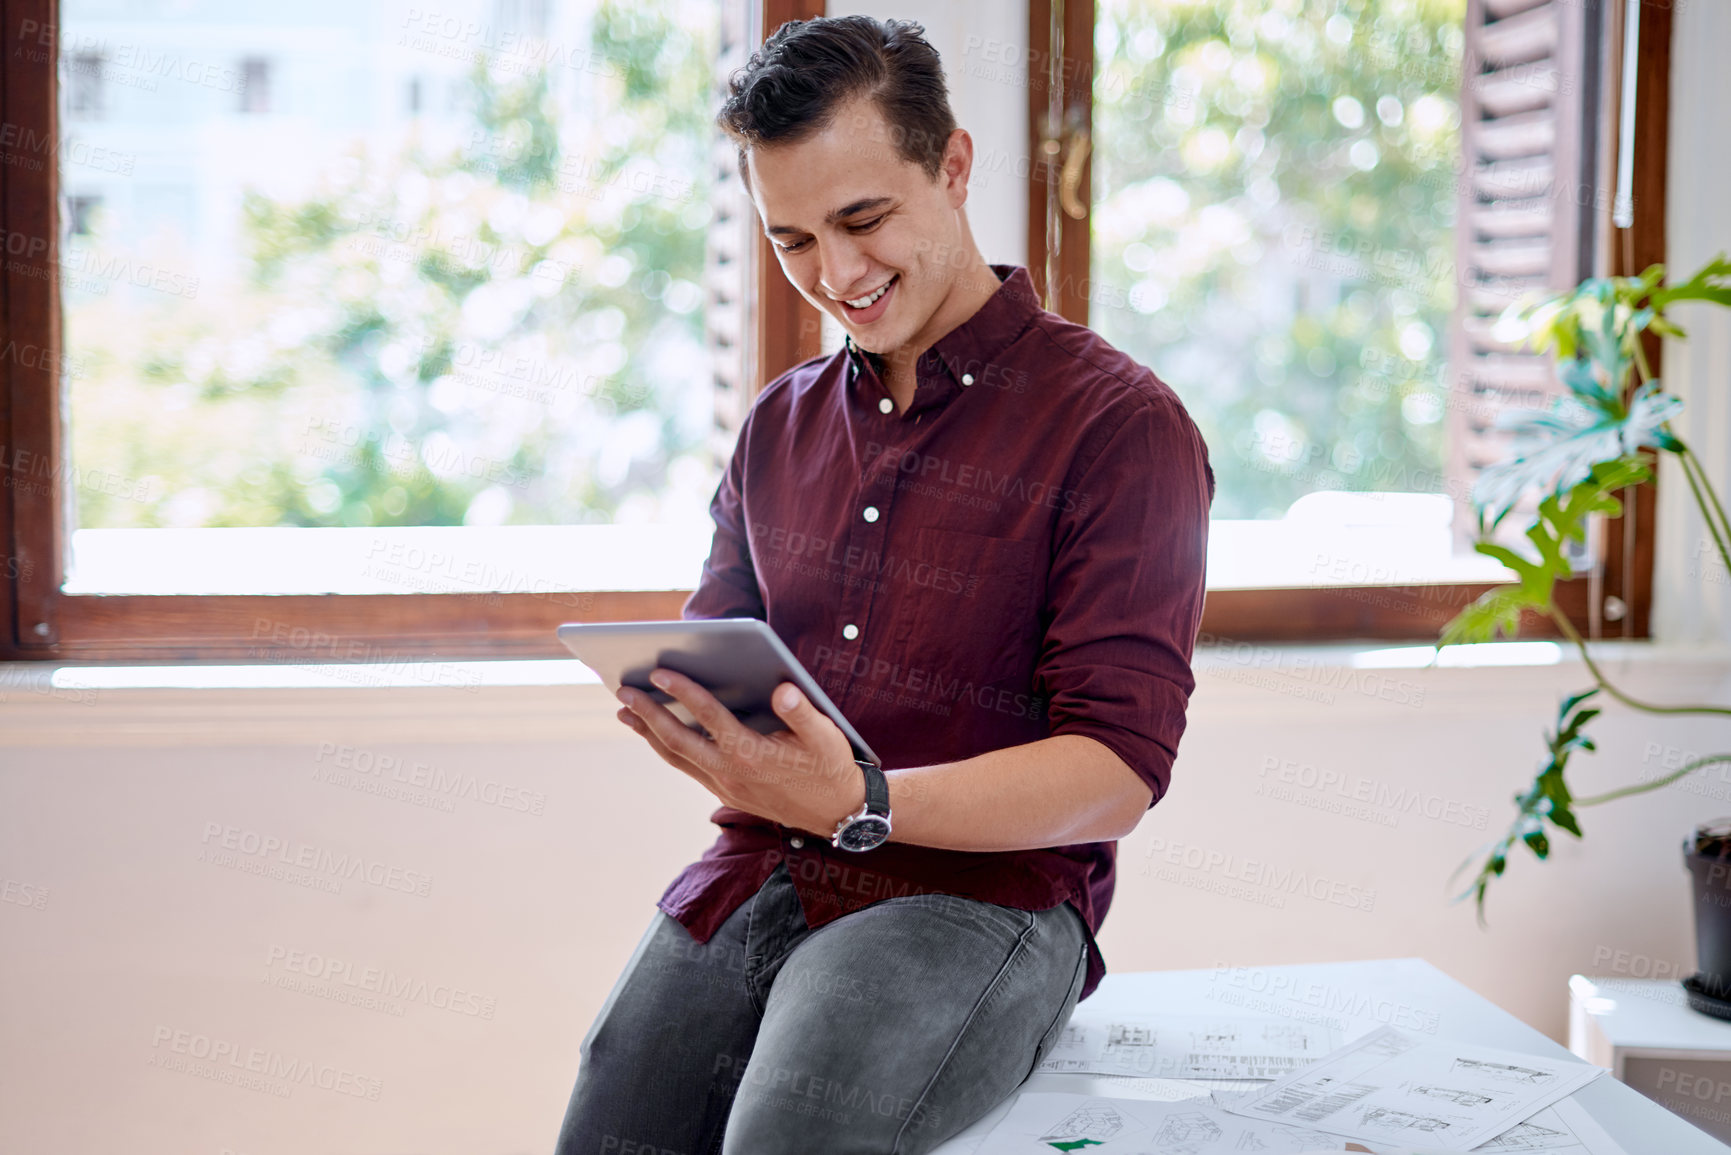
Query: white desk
[{"x": 1356, "y": 997}]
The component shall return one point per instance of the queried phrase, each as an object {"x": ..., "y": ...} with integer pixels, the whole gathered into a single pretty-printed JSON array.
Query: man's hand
[{"x": 803, "y": 777}]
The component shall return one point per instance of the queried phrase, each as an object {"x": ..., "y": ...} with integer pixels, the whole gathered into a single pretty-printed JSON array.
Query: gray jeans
[{"x": 886, "y": 1031}]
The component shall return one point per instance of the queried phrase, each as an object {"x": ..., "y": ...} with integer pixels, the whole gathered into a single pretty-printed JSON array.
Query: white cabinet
[{"x": 1644, "y": 1031}]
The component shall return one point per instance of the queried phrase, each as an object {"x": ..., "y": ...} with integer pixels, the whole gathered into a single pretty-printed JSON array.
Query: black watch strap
[{"x": 877, "y": 788}]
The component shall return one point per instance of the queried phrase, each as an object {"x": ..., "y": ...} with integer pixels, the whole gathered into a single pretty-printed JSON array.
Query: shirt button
[
  {"x": 885, "y": 405},
  {"x": 871, "y": 513},
  {"x": 967, "y": 378},
  {"x": 796, "y": 842},
  {"x": 850, "y": 631}
]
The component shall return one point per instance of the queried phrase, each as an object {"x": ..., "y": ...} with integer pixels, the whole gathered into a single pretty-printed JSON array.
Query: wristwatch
[{"x": 871, "y": 825}]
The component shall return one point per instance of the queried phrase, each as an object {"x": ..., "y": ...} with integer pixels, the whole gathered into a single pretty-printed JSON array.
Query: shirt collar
[{"x": 972, "y": 351}]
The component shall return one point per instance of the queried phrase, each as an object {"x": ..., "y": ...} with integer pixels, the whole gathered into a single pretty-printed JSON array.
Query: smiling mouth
[{"x": 869, "y": 299}]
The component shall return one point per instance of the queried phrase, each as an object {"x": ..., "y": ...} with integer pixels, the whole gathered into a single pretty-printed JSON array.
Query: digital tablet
[{"x": 739, "y": 660}]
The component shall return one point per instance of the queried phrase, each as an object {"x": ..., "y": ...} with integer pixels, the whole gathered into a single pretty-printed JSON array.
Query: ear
[{"x": 958, "y": 166}]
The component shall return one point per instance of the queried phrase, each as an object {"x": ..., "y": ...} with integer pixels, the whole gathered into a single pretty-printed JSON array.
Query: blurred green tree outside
[
  {"x": 507, "y": 330},
  {"x": 1275, "y": 190},
  {"x": 510, "y": 331}
]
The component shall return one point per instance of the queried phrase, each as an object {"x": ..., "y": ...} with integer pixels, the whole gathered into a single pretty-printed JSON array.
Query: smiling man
[{"x": 983, "y": 529}]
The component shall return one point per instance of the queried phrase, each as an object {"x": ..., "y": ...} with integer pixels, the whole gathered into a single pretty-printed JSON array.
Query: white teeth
[{"x": 866, "y": 302}]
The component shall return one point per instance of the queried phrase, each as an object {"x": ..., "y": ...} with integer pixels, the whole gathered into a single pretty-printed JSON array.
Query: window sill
[{"x": 43, "y": 704}]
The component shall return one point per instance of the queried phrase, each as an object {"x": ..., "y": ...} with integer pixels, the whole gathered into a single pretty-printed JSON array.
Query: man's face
[{"x": 863, "y": 234}]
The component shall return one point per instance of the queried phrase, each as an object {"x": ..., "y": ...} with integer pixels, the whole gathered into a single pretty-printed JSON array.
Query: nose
[{"x": 843, "y": 266}]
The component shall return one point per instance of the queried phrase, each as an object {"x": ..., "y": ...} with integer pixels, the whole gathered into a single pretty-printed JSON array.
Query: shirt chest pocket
[{"x": 967, "y": 613}]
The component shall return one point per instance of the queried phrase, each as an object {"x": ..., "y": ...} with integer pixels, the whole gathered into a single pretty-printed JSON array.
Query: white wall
[{"x": 108, "y": 799}]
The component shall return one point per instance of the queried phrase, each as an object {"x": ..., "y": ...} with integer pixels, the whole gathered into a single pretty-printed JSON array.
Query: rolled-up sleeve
[
  {"x": 728, "y": 586},
  {"x": 1126, "y": 588}
]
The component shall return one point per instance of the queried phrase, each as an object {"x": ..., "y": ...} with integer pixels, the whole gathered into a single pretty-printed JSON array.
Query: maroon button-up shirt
[{"x": 1019, "y": 554}]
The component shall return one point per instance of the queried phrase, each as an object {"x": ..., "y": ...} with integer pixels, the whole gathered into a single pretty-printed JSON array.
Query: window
[
  {"x": 1306, "y": 220},
  {"x": 370, "y": 458},
  {"x": 479, "y": 320},
  {"x": 1274, "y": 201},
  {"x": 457, "y": 365}
]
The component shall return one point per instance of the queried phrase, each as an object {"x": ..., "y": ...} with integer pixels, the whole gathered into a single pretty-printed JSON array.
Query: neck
[{"x": 972, "y": 286}]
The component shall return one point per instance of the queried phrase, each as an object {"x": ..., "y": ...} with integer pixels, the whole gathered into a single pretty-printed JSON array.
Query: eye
[{"x": 861, "y": 227}]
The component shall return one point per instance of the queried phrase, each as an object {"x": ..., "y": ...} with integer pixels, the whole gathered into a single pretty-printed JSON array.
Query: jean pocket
[{"x": 1062, "y": 1018}]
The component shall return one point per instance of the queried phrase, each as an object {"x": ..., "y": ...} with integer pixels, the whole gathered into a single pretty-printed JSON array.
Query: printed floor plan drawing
[
  {"x": 1529, "y": 1136},
  {"x": 1041, "y": 1122},
  {"x": 1389, "y": 1119},
  {"x": 1503, "y": 1072},
  {"x": 1455, "y": 1095},
  {"x": 1438, "y": 1093},
  {"x": 1187, "y": 1133},
  {"x": 1187, "y": 1046},
  {"x": 1089, "y": 1125}
]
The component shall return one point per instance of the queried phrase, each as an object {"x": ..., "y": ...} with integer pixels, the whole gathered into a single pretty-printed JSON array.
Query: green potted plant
[{"x": 1605, "y": 434}]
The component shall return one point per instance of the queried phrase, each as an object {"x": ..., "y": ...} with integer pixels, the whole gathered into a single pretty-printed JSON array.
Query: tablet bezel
[{"x": 618, "y": 651}]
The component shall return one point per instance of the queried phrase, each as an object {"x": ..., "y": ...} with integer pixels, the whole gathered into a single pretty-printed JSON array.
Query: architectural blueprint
[
  {"x": 1391, "y": 1088},
  {"x": 1187, "y": 1046},
  {"x": 1040, "y": 1123},
  {"x": 1563, "y": 1128}
]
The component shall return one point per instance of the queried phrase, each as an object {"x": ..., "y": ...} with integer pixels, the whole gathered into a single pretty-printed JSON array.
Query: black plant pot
[{"x": 1711, "y": 874}]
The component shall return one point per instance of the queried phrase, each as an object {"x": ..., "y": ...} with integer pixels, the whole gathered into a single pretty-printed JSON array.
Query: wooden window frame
[
  {"x": 41, "y": 622},
  {"x": 44, "y": 623},
  {"x": 1386, "y": 612}
]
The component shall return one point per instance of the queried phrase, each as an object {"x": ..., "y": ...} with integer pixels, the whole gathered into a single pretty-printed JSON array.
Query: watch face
[{"x": 864, "y": 834}]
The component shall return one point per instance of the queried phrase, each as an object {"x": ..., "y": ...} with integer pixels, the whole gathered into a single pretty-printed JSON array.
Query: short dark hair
[{"x": 793, "y": 85}]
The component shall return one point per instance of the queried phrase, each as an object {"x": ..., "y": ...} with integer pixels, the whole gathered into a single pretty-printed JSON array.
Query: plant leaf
[
  {"x": 1556, "y": 448},
  {"x": 1496, "y": 612},
  {"x": 1561, "y": 518},
  {"x": 1711, "y": 283},
  {"x": 1547, "y": 802}
]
